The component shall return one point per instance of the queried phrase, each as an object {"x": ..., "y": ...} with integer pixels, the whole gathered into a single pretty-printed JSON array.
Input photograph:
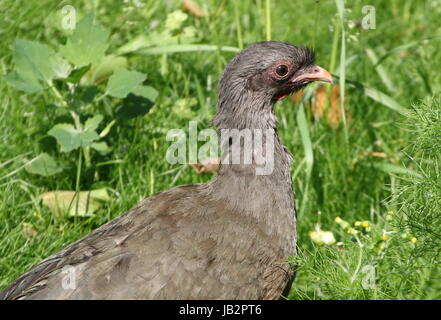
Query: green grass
[{"x": 331, "y": 179}]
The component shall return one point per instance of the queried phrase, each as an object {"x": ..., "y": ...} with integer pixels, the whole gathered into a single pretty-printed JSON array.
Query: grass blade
[
  {"x": 404, "y": 47},
  {"x": 348, "y": 62},
  {"x": 268, "y": 19},
  {"x": 394, "y": 169},
  {"x": 380, "y": 70},
  {"x": 186, "y": 48},
  {"x": 384, "y": 99},
  {"x": 309, "y": 154},
  {"x": 379, "y": 96},
  {"x": 238, "y": 26},
  {"x": 340, "y": 9}
]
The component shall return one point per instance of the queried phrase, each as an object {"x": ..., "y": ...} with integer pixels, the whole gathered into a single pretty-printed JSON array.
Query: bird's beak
[{"x": 312, "y": 73}]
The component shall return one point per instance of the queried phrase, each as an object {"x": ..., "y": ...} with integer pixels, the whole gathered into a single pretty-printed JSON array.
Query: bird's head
[{"x": 264, "y": 73}]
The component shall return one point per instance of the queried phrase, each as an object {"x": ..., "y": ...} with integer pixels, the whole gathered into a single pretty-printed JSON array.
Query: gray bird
[{"x": 225, "y": 239}]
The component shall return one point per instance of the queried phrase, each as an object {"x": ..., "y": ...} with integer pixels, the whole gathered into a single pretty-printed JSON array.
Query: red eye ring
[{"x": 282, "y": 70}]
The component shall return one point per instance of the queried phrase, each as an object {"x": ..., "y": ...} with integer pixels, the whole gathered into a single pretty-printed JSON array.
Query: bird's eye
[{"x": 282, "y": 70}]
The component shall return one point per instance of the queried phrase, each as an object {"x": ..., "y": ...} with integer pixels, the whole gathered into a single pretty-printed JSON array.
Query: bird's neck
[
  {"x": 255, "y": 162},
  {"x": 241, "y": 111},
  {"x": 250, "y": 187}
]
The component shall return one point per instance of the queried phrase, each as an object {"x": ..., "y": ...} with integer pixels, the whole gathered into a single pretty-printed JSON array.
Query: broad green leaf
[
  {"x": 133, "y": 106},
  {"x": 87, "y": 43},
  {"x": 65, "y": 202},
  {"x": 70, "y": 138},
  {"x": 60, "y": 67},
  {"x": 24, "y": 82},
  {"x": 76, "y": 75},
  {"x": 93, "y": 123},
  {"x": 33, "y": 57},
  {"x": 107, "y": 66},
  {"x": 101, "y": 147},
  {"x": 146, "y": 92},
  {"x": 123, "y": 81},
  {"x": 43, "y": 165},
  {"x": 36, "y": 65},
  {"x": 84, "y": 95}
]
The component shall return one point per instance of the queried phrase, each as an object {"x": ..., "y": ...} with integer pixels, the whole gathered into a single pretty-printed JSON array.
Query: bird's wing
[
  {"x": 179, "y": 244},
  {"x": 76, "y": 253},
  {"x": 107, "y": 243}
]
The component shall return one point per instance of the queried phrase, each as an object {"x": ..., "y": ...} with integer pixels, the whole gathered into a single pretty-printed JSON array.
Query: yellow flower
[
  {"x": 365, "y": 224},
  {"x": 322, "y": 237},
  {"x": 391, "y": 212},
  {"x": 352, "y": 231},
  {"x": 384, "y": 237},
  {"x": 357, "y": 223},
  {"x": 328, "y": 237},
  {"x": 404, "y": 235},
  {"x": 344, "y": 224},
  {"x": 413, "y": 240}
]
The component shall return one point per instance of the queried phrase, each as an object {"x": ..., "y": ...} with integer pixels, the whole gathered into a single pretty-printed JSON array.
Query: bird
[{"x": 228, "y": 238}]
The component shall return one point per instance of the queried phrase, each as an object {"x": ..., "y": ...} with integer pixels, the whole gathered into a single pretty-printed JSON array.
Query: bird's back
[{"x": 178, "y": 244}]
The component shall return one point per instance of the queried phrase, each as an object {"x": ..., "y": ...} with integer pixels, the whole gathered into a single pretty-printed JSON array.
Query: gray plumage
[{"x": 225, "y": 239}]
